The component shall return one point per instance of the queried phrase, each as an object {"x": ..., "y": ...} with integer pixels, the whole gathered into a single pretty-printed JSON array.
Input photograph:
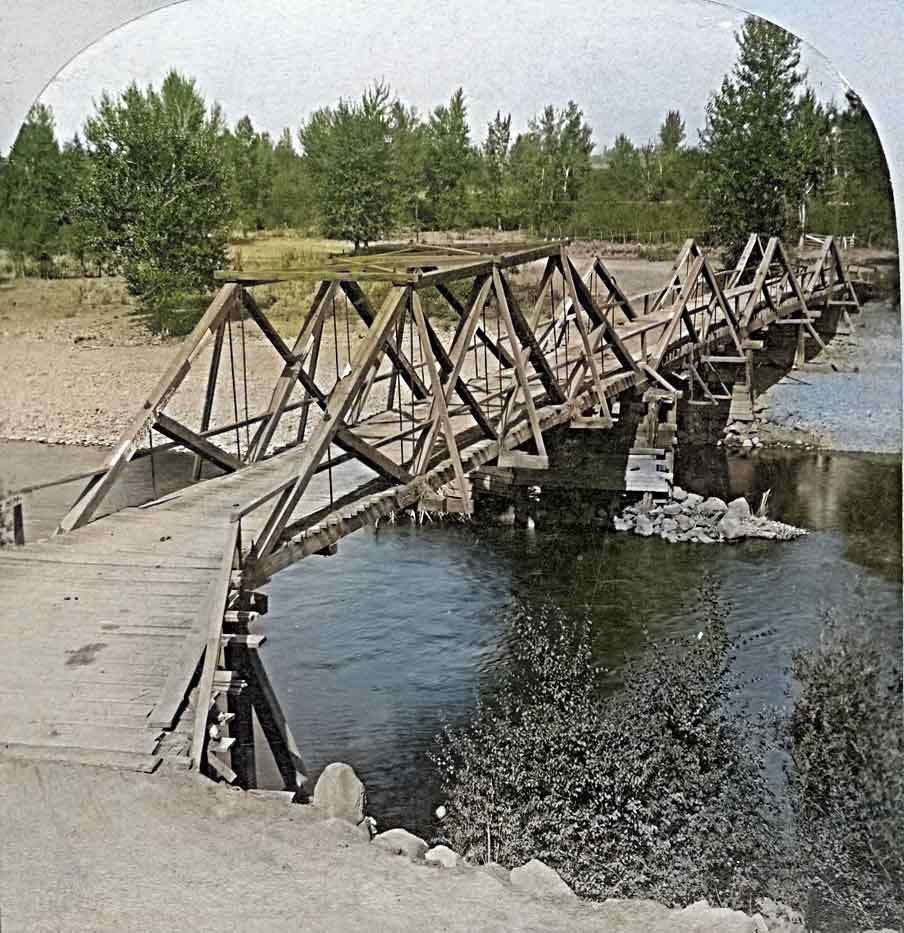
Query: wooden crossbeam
[
  {"x": 523, "y": 336},
  {"x": 605, "y": 276},
  {"x": 293, "y": 361},
  {"x": 362, "y": 305},
  {"x": 459, "y": 353},
  {"x": 440, "y": 406},
  {"x": 678, "y": 309},
  {"x": 585, "y": 300},
  {"x": 497, "y": 350},
  {"x": 339, "y": 402},
  {"x": 209, "y": 392},
  {"x": 197, "y": 444},
  {"x": 520, "y": 372},
  {"x": 91, "y": 496}
]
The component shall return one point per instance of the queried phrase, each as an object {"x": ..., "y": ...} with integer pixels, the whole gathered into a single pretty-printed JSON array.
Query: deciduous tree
[
  {"x": 155, "y": 202},
  {"x": 348, "y": 153}
]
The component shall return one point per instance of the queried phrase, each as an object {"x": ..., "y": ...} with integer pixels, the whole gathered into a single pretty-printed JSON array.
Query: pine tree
[
  {"x": 450, "y": 163},
  {"x": 751, "y": 170},
  {"x": 497, "y": 168},
  {"x": 31, "y": 192}
]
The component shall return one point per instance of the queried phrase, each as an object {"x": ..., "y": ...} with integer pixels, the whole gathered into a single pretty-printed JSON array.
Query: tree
[
  {"x": 290, "y": 198},
  {"x": 497, "y": 167},
  {"x": 751, "y": 170},
  {"x": 450, "y": 162},
  {"x": 347, "y": 151},
  {"x": 550, "y": 164},
  {"x": 809, "y": 152},
  {"x": 407, "y": 135},
  {"x": 672, "y": 132},
  {"x": 251, "y": 160},
  {"x": 32, "y": 192},
  {"x": 155, "y": 201}
]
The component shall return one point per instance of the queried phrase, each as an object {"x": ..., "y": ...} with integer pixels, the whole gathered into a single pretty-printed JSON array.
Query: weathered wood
[
  {"x": 91, "y": 497},
  {"x": 171, "y": 428},
  {"x": 211, "y": 620}
]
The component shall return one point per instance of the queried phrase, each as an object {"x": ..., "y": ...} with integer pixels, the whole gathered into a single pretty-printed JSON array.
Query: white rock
[
  {"x": 713, "y": 506},
  {"x": 401, "y": 842},
  {"x": 442, "y": 855},
  {"x": 678, "y": 494},
  {"x": 540, "y": 880},
  {"x": 740, "y": 508},
  {"x": 731, "y": 527},
  {"x": 691, "y": 501},
  {"x": 340, "y": 793}
]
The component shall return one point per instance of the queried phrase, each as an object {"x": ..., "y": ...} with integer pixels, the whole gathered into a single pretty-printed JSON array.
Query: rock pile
[
  {"x": 691, "y": 517},
  {"x": 743, "y": 434}
]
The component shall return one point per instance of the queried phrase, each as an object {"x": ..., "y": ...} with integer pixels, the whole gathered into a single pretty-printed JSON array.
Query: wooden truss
[{"x": 417, "y": 363}]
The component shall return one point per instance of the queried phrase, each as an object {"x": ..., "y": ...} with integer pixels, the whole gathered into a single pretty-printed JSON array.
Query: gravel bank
[{"x": 857, "y": 408}]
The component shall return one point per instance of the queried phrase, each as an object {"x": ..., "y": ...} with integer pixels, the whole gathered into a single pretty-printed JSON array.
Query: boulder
[
  {"x": 685, "y": 522},
  {"x": 678, "y": 494},
  {"x": 401, "y": 842},
  {"x": 779, "y": 916},
  {"x": 339, "y": 793},
  {"x": 539, "y": 880},
  {"x": 673, "y": 508},
  {"x": 622, "y": 524},
  {"x": 442, "y": 855},
  {"x": 668, "y": 524},
  {"x": 644, "y": 526},
  {"x": 713, "y": 506},
  {"x": 739, "y": 508},
  {"x": 495, "y": 870},
  {"x": 731, "y": 527},
  {"x": 691, "y": 501},
  {"x": 704, "y": 538},
  {"x": 699, "y": 917}
]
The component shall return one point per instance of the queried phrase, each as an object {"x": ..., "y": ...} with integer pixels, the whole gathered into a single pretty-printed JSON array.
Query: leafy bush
[
  {"x": 653, "y": 791},
  {"x": 847, "y": 781}
]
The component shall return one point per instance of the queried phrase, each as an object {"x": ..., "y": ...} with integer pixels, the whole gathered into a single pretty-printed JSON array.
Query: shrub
[
  {"x": 847, "y": 779},
  {"x": 651, "y": 791}
]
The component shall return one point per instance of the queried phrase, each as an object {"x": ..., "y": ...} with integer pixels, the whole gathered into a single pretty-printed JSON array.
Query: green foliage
[
  {"x": 670, "y": 804},
  {"x": 155, "y": 201},
  {"x": 347, "y": 152},
  {"x": 251, "y": 159},
  {"x": 646, "y": 190},
  {"x": 550, "y": 164},
  {"x": 672, "y": 133},
  {"x": 408, "y": 140},
  {"x": 497, "y": 177},
  {"x": 450, "y": 163},
  {"x": 847, "y": 779},
  {"x": 32, "y": 191},
  {"x": 858, "y": 197},
  {"x": 752, "y": 175}
]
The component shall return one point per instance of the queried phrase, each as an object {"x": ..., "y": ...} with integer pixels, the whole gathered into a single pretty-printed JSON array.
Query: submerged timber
[{"x": 130, "y": 638}]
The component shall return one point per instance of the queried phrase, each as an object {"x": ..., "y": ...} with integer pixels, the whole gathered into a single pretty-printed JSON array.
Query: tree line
[{"x": 157, "y": 181}]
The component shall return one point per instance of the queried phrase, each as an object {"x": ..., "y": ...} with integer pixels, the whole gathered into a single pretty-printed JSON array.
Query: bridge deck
[{"x": 104, "y": 627}]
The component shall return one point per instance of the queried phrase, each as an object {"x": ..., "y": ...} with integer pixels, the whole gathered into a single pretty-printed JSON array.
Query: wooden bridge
[{"x": 129, "y": 639}]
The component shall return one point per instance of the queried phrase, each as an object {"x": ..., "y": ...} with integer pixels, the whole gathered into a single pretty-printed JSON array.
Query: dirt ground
[{"x": 100, "y": 850}]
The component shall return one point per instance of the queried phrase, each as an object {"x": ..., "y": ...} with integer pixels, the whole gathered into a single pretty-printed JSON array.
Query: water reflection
[{"x": 375, "y": 649}]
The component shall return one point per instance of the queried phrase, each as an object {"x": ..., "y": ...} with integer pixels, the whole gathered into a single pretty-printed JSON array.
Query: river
[{"x": 374, "y": 650}]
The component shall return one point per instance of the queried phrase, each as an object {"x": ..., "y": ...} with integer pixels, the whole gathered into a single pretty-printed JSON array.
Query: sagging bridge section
[{"x": 130, "y": 637}]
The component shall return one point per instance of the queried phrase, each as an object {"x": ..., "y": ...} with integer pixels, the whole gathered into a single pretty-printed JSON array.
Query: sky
[{"x": 279, "y": 60}]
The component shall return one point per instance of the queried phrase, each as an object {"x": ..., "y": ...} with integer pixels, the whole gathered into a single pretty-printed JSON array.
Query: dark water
[{"x": 373, "y": 650}]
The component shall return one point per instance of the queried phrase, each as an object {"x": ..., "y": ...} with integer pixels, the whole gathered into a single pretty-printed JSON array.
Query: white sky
[{"x": 277, "y": 60}]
